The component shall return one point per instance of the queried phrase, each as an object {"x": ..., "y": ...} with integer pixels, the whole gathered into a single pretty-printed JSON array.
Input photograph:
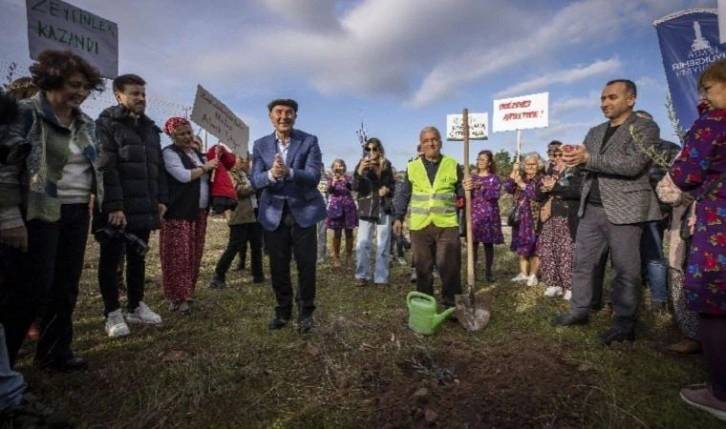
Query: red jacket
[{"x": 221, "y": 185}]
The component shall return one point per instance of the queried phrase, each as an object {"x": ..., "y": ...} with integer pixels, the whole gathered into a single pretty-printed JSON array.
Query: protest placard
[
  {"x": 478, "y": 126},
  {"x": 218, "y": 120},
  {"x": 521, "y": 113},
  {"x": 54, "y": 24}
]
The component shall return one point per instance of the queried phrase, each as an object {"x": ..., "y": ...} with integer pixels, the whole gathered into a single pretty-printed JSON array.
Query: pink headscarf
[{"x": 174, "y": 123}]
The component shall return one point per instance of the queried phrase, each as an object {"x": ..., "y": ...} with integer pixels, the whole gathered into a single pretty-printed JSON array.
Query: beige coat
[{"x": 246, "y": 200}]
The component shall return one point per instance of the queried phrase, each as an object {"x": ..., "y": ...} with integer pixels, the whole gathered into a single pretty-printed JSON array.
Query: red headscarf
[{"x": 174, "y": 123}]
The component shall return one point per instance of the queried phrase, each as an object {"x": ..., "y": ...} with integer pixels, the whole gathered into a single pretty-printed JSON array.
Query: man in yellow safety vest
[{"x": 431, "y": 185}]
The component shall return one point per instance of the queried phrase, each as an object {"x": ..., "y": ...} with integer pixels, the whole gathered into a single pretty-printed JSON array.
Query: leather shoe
[
  {"x": 278, "y": 323},
  {"x": 569, "y": 319},
  {"x": 305, "y": 325},
  {"x": 615, "y": 335},
  {"x": 685, "y": 347},
  {"x": 75, "y": 363}
]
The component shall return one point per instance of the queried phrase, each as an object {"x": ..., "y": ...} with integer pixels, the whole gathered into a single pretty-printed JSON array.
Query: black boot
[
  {"x": 489, "y": 276},
  {"x": 217, "y": 283}
]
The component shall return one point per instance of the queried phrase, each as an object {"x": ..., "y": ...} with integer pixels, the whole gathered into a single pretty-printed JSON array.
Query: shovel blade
[{"x": 473, "y": 314}]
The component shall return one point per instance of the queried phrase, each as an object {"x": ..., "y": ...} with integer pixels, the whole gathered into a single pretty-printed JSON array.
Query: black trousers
[
  {"x": 108, "y": 275},
  {"x": 47, "y": 285},
  {"x": 239, "y": 235},
  {"x": 287, "y": 240},
  {"x": 442, "y": 247}
]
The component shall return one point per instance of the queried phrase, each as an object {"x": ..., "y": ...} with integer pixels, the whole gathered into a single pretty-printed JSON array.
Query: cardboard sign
[
  {"x": 219, "y": 121},
  {"x": 521, "y": 113},
  {"x": 478, "y": 126},
  {"x": 53, "y": 24}
]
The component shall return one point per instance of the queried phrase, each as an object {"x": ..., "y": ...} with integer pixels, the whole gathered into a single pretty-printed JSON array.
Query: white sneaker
[
  {"x": 402, "y": 262},
  {"x": 532, "y": 280},
  {"x": 520, "y": 278},
  {"x": 143, "y": 314},
  {"x": 553, "y": 291},
  {"x": 568, "y": 295},
  {"x": 115, "y": 324}
]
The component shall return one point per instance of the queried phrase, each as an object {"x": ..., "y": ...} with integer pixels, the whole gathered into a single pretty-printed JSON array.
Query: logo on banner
[{"x": 689, "y": 44}]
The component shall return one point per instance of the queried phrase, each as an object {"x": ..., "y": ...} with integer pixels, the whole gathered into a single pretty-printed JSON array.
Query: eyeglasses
[
  {"x": 372, "y": 149},
  {"x": 556, "y": 155},
  {"x": 78, "y": 85}
]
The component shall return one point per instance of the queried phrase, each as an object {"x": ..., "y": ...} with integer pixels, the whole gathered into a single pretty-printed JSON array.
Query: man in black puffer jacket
[{"x": 135, "y": 198}]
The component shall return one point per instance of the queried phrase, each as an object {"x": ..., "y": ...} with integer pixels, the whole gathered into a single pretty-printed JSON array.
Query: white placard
[
  {"x": 521, "y": 113},
  {"x": 478, "y": 126},
  {"x": 53, "y": 24},
  {"x": 216, "y": 118}
]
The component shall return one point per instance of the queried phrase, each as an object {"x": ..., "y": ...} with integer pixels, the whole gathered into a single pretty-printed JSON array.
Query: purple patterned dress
[
  {"x": 342, "y": 212},
  {"x": 524, "y": 236},
  {"x": 486, "y": 221},
  {"x": 698, "y": 168}
]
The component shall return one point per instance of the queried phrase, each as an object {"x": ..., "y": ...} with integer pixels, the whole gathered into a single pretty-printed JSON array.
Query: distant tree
[{"x": 504, "y": 162}]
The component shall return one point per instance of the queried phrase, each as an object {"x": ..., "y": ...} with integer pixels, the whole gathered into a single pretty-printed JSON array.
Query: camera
[{"x": 133, "y": 242}]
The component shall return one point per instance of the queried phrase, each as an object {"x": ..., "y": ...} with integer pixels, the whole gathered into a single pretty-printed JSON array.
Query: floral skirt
[
  {"x": 181, "y": 244},
  {"x": 556, "y": 251}
]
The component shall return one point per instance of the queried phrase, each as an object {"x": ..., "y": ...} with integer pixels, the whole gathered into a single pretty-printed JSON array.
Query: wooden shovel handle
[{"x": 469, "y": 233}]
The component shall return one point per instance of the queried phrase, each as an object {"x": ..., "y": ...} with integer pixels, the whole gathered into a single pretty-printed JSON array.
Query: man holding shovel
[{"x": 431, "y": 185}]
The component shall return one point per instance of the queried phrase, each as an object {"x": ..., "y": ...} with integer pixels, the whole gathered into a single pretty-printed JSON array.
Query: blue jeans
[
  {"x": 12, "y": 384},
  {"x": 383, "y": 249},
  {"x": 654, "y": 262}
]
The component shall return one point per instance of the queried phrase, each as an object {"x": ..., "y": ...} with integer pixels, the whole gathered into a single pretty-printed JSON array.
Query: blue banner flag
[{"x": 689, "y": 44}]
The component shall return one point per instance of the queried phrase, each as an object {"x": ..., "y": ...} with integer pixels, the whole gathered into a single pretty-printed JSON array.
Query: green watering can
[{"x": 422, "y": 317}]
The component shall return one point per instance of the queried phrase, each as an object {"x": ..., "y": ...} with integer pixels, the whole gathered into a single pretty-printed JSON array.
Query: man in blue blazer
[{"x": 286, "y": 168}]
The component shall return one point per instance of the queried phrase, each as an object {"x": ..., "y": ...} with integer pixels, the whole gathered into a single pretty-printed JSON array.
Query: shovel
[{"x": 473, "y": 314}]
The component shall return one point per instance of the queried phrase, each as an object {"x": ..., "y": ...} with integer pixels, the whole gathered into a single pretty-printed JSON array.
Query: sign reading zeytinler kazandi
[
  {"x": 521, "y": 113},
  {"x": 689, "y": 44},
  {"x": 218, "y": 120},
  {"x": 57, "y": 25}
]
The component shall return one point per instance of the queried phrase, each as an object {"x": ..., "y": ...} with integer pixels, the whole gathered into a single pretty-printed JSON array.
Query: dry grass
[{"x": 221, "y": 367}]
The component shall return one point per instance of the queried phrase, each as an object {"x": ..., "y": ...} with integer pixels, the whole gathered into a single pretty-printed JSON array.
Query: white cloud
[
  {"x": 562, "y": 77},
  {"x": 565, "y": 105}
]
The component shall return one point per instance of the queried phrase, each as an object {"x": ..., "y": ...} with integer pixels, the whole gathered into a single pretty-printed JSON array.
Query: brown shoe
[
  {"x": 381, "y": 284},
  {"x": 360, "y": 282},
  {"x": 685, "y": 347},
  {"x": 702, "y": 397}
]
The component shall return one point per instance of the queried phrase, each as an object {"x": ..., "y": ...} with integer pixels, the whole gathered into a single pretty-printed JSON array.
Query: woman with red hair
[{"x": 185, "y": 224}]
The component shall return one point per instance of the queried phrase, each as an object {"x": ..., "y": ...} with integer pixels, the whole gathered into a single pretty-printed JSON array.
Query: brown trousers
[{"x": 442, "y": 245}]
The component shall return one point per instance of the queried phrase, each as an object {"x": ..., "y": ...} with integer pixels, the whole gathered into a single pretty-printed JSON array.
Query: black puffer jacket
[{"x": 130, "y": 160}]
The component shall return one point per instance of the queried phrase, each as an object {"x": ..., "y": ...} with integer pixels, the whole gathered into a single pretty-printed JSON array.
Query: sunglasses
[{"x": 371, "y": 149}]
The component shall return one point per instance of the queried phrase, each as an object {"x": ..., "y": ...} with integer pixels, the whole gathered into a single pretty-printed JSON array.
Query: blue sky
[{"x": 397, "y": 64}]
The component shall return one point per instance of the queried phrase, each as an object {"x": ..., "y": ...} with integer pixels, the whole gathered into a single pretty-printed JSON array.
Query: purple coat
[
  {"x": 698, "y": 168},
  {"x": 342, "y": 211},
  {"x": 486, "y": 221},
  {"x": 524, "y": 236}
]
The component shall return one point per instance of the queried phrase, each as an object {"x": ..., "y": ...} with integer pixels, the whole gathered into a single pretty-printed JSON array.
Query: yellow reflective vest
[{"x": 433, "y": 203}]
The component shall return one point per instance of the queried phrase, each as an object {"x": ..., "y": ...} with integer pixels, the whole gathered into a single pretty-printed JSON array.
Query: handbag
[
  {"x": 513, "y": 217},
  {"x": 668, "y": 192}
]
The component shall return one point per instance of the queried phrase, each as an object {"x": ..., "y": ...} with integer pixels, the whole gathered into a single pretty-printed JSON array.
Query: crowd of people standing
[{"x": 63, "y": 173}]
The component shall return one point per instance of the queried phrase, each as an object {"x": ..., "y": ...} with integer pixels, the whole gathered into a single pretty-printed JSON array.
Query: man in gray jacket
[{"x": 616, "y": 200}]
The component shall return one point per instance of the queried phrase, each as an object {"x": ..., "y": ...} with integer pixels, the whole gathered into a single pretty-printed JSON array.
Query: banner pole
[{"x": 519, "y": 144}]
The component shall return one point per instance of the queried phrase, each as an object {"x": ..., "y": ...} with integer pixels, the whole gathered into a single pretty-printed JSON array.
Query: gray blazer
[{"x": 622, "y": 169}]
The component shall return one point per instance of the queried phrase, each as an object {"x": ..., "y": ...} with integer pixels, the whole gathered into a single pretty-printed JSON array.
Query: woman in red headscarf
[{"x": 182, "y": 233}]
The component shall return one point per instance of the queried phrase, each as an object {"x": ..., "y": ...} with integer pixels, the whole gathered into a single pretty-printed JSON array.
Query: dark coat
[
  {"x": 134, "y": 177},
  {"x": 565, "y": 197},
  {"x": 370, "y": 205}
]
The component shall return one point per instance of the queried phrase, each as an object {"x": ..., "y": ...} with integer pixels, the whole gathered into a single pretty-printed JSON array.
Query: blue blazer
[{"x": 301, "y": 190}]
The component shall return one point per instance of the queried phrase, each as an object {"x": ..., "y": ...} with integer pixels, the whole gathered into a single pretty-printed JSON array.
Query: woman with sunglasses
[
  {"x": 374, "y": 182},
  {"x": 49, "y": 219},
  {"x": 559, "y": 191}
]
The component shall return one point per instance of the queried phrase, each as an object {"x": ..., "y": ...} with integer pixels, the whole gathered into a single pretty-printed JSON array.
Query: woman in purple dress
[
  {"x": 522, "y": 183},
  {"x": 341, "y": 210},
  {"x": 701, "y": 170},
  {"x": 486, "y": 221}
]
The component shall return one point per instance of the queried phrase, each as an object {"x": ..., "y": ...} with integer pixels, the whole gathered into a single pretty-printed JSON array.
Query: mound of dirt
[{"x": 494, "y": 388}]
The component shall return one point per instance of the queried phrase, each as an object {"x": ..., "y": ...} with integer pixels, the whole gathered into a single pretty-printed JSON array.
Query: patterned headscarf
[{"x": 174, "y": 123}]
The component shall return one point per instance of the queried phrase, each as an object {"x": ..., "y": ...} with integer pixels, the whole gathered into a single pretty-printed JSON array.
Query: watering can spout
[{"x": 438, "y": 318}]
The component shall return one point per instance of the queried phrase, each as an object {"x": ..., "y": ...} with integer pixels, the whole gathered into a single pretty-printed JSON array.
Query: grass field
[{"x": 222, "y": 367}]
